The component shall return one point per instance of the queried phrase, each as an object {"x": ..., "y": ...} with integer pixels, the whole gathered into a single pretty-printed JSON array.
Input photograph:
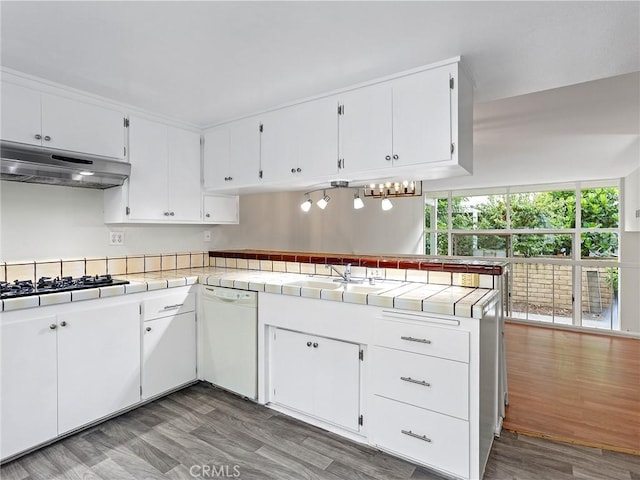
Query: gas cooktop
[{"x": 44, "y": 285}]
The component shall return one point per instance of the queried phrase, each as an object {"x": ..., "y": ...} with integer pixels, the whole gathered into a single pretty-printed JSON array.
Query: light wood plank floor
[
  {"x": 574, "y": 387},
  {"x": 174, "y": 437}
]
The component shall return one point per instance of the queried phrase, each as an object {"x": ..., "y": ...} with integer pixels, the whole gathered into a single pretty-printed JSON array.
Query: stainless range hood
[{"x": 29, "y": 164}]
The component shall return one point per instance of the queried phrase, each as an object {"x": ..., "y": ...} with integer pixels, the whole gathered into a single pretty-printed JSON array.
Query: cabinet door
[
  {"x": 82, "y": 127},
  {"x": 422, "y": 118},
  {"x": 278, "y": 146},
  {"x": 183, "y": 174},
  {"x": 148, "y": 183},
  {"x": 216, "y": 157},
  {"x": 29, "y": 384},
  {"x": 20, "y": 114},
  {"x": 98, "y": 363},
  {"x": 244, "y": 156},
  {"x": 317, "y": 137},
  {"x": 169, "y": 353},
  {"x": 221, "y": 209},
  {"x": 366, "y": 129},
  {"x": 336, "y": 392},
  {"x": 293, "y": 370}
]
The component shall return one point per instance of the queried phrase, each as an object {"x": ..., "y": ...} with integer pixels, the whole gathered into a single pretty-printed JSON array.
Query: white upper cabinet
[
  {"x": 403, "y": 122},
  {"x": 416, "y": 125},
  {"x": 149, "y": 182},
  {"x": 221, "y": 208},
  {"x": 366, "y": 128},
  {"x": 44, "y": 119},
  {"x": 183, "y": 174},
  {"x": 422, "y": 118},
  {"x": 300, "y": 142},
  {"x": 232, "y": 155},
  {"x": 165, "y": 174},
  {"x": 21, "y": 115}
]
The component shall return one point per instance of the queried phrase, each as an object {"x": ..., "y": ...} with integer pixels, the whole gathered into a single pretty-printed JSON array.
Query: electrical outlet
[
  {"x": 207, "y": 235},
  {"x": 116, "y": 238}
]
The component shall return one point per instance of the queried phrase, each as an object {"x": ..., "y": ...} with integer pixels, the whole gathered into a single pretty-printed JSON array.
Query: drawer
[
  {"x": 170, "y": 304},
  {"x": 421, "y": 435},
  {"x": 428, "y": 382},
  {"x": 426, "y": 339}
]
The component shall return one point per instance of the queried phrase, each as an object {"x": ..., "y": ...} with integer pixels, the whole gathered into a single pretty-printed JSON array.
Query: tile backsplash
[{"x": 121, "y": 265}]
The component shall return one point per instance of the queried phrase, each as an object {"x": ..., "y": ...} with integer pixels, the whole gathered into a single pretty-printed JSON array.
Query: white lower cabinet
[
  {"x": 98, "y": 363},
  {"x": 28, "y": 410},
  {"x": 169, "y": 350},
  {"x": 317, "y": 376},
  {"x": 425, "y": 436},
  {"x": 66, "y": 366}
]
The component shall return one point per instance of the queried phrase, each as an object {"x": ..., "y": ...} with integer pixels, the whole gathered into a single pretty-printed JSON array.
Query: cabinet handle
[
  {"x": 37, "y": 136},
  {"x": 415, "y": 435},
  {"x": 395, "y": 157},
  {"x": 298, "y": 169},
  {"x": 171, "y": 307},
  {"x": 166, "y": 214},
  {"x": 47, "y": 138},
  {"x": 413, "y": 339},
  {"x": 230, "y": 178},
  {"x": 207, "y": 215},
  {"x": 293, "y": 170},
  {"x": 387, "y": 158},
  {"x": 308, "y": 344},
  {"x": 172, "y": 213},
  {"x": 63, "y": 324},
  {"x": 315, "y": 345},
  {"x": 148, "y": 329},
  {"x": 418, "y": 382},
  {"x": 53, "y": 326}
]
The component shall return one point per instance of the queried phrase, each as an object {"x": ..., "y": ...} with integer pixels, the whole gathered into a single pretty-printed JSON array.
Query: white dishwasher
[{"x": 229, "y": 339}]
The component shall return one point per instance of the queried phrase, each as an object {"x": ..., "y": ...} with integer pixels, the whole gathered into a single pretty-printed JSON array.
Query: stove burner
[{"x": 22, "y": 288}]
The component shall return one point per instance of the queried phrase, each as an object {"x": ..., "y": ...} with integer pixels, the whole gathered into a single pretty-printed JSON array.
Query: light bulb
[
  {"x": 306, "y": 205},
  {"x": 357, "y": 202},
  {"x": 386, "y": 204},
  {"x": 322, "y": 203}
]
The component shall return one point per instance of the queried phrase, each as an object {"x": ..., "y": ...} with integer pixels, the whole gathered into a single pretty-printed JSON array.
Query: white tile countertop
[{"x": 433, "y": 298}]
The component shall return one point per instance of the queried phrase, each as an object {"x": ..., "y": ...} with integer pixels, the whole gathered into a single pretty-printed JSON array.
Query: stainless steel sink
[{"x": 316, "y": 283}]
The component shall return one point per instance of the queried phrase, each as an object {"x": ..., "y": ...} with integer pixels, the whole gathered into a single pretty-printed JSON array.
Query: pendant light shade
[
  {"x": 322, "y": 203},
  {"x": 306, "y": 205},
  {"x": 357, "y": 202}
]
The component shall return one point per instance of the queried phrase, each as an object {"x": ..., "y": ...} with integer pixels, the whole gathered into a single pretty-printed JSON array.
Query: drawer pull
[
  {"x": 171, "y": 307},
  {"x": 413, "y": 339},
  {"x": 424, "y": 438},
  {"x": 419, "y": 382}
]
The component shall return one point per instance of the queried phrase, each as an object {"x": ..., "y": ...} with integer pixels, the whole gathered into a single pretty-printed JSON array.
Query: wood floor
[
  {"x": 575, "y": 387},
  {"x": 201, "y": 427}
]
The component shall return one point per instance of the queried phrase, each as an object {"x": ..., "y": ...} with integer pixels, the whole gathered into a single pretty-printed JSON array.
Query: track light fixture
[{"x": 383, "y": 191}]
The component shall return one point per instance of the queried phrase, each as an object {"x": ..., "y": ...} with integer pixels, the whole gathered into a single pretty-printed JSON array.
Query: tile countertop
[{"x": 432, "y": 298}]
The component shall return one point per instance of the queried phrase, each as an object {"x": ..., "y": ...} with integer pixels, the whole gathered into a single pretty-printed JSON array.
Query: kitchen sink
[
  {"x": 355, "y": 288},
  {"x": 323, "y": 284}
]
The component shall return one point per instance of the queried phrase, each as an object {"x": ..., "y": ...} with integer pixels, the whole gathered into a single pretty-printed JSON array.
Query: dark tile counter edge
[{"x": 405, "y": 263}]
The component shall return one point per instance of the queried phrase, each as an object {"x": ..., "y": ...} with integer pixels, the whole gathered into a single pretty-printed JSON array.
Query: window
[{"x": 561, "y": 240}]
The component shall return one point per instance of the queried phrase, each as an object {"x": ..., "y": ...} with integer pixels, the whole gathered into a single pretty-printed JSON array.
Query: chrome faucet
[{"x": 346, "y": 276}]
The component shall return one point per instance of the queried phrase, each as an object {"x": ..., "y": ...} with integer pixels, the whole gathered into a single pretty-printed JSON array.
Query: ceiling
[{"x": 206, "y": 62}]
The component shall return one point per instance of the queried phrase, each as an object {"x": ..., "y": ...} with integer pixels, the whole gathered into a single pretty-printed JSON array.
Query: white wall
[
  {"x": 275, "y": 221},
  {"x": 41, "y": 222}
]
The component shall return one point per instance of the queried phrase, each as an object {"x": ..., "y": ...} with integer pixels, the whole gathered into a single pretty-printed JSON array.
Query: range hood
[{"x": 29, "y": 164}]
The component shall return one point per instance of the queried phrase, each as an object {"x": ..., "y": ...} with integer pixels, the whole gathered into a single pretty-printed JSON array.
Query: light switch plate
[
  {"x": 116, "y": 238},
  {"x": 207, "y": 235}
]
